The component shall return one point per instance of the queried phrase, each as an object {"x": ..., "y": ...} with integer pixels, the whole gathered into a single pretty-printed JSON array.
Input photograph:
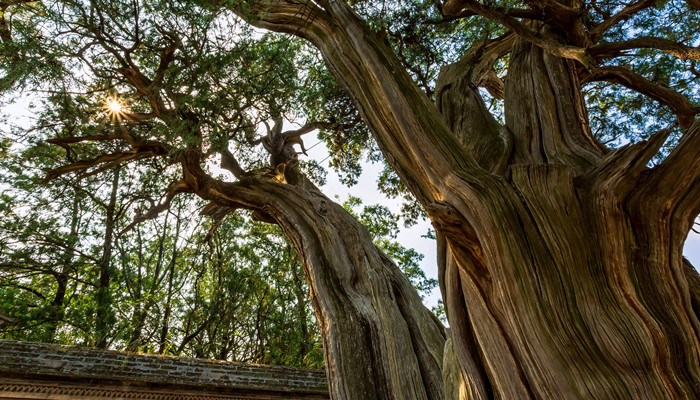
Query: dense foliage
[
  {"x": 82, "y": 260},
  {"x": 179, "y": 284}
]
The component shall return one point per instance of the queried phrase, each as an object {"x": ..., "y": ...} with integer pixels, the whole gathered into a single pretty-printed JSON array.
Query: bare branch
[
  {"x": 310, "y": 127},
  {"x": 294, "y": 136},
  {"x": 624, "y": 14},
  {"x": 139, "y": 150},
  {"x": 175, "y": 188},
  {"x": 84, "y": 165}
]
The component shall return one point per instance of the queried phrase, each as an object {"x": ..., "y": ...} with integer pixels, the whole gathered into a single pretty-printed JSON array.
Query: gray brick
[{"x": 55, "y": 360}]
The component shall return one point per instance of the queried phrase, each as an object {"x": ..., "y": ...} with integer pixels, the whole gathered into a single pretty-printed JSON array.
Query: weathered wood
[{"x": 560, "y": 263}]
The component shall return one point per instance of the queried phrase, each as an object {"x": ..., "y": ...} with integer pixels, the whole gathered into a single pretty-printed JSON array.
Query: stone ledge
[{"x": 48, "y": 360}]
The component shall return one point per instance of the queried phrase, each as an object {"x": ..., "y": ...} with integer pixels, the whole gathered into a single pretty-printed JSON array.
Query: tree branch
[
  {"x": 141, "y": 149},
  {"x": 616, "y": 49},
  {"x": 676, "y": 181},
  {"x": 229, "y": 163},
  {"x": 678, "y": 103},
  {"x": 498, "y": 15},
  {"x": 621, "y": 168},
  {"x": 682, "y": 166},
  {"x": 458, "y": 99},
  {"x": 28, "y": 289},
  {"x": 294, "y": 136},
  {"x": 175, "y": 188},
  {"x": 597, "y": 32}
]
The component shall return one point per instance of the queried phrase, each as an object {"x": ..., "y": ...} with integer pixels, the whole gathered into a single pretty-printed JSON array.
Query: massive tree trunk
[
  {"x": 561, "y": 262},
  {"x": 587, "y": 296}
]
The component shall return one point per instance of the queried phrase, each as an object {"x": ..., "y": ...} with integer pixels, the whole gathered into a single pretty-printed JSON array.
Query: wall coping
[{"x": 29, "y": 359}]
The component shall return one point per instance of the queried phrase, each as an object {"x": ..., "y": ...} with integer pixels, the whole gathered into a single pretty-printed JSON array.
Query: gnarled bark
[
  {"x": 556, "y": 283},
  {"x": 380, "y": 341}
]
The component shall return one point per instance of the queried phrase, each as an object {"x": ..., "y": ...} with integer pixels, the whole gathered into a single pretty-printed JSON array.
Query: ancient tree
[{"x": 560, "y": 258}]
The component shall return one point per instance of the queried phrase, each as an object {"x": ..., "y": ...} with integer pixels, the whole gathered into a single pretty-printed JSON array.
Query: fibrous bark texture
[
  {"x": 380, "y": 341},
  {"x": 560, "y": 261}
]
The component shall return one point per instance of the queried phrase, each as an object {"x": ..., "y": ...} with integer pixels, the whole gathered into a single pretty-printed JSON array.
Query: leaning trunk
[{"x": 380, "y": 341}]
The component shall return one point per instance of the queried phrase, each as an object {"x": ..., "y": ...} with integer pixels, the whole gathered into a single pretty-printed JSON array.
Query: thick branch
[
  {"x": 545, "y": 42},
  {"x": 459, "y": 101},
  {"x": 620, "y": 169},
  {"x": 678, "y": 103},
  {"x": 671, "y": 190},
  {"x": 616, "y": 49},
  {"x": 229, "y": 163},
  {"x": 139, "y": 150}
]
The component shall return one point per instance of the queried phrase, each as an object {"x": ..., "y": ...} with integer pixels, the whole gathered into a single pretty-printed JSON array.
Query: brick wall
[{"x": 28, "y": 358}]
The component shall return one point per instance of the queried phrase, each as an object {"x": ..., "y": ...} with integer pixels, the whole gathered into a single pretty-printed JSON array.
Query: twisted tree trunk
[
  {"x": 561, "y": 262},
  {"x": 380, "y": 341}
]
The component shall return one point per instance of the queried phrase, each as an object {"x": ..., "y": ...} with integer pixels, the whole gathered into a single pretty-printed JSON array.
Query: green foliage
[
  {"x": 177, "y": 285},
  {"x": 619, "y": 115},
  {"x": 223, "y": 288}
]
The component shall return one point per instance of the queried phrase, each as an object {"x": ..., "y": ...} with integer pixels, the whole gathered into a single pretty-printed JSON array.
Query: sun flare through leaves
[{"x": 114, "y": 108}]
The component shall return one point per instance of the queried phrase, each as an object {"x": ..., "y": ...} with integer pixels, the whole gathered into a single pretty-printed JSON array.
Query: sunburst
[{"x": 115, "y": 108}]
